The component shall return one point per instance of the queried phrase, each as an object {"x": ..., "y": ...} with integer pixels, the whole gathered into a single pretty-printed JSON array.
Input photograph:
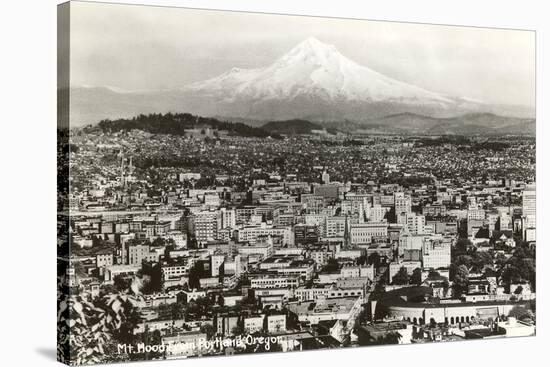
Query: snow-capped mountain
[
  {"x": 316, "y": 70},
  {"x": 313, "y": 81}
]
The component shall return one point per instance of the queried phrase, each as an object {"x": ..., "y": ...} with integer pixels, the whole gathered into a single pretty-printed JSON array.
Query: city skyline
[{"x": 296, "y": 190}]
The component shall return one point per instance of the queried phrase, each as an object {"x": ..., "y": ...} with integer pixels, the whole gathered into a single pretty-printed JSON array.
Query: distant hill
[
  {"x": 468, "y": 124},
  {"x": 290, "y": 127},
  {"x": 313, "y": 81},
  {"x": 178, "y": 123}
]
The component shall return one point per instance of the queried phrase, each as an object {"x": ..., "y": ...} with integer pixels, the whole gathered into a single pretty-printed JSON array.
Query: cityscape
[{"x": 195, "y": 233}]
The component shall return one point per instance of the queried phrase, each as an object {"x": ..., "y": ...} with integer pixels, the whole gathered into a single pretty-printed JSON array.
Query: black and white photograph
[
  {"x": 274, "y": 183},
  {"x": 236, "y": 183}
]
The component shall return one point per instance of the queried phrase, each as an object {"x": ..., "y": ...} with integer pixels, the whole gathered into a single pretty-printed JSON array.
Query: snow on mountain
[
  {"x": 314, "y": 69},
  {"x": 313, "y": 81}
]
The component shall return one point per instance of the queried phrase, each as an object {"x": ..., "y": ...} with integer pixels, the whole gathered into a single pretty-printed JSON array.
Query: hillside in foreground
[{"x": 179, "y": 123}]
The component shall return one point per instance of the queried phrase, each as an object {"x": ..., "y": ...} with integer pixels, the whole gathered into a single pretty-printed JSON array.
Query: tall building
[
  {"x": 505, "y": 222},
  {"x": 415, "y": 223},
  {"x": 228, "y": 218},
  {"x": 377, "y": 213},
  {"x": 204, "y": 225},
  {"x": 360, "y": 204},
  {"x": 529, "y": 206},
  {"x": 335, "y": 227},
  {"x": 402, "y": 204},
  {"x": 137, "y": 254},
  {"x": 475, "y": 213},
  {"x": 216, "y": 263},
  {"x": 325, "y": 177}
]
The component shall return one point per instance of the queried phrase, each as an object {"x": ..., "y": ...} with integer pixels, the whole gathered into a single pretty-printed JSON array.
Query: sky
[{"x": 137, "y": 48}]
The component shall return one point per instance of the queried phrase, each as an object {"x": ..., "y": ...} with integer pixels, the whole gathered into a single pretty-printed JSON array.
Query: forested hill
[
  {"x": 292, "y": 126},
  {"x": 178, "y": 123}
]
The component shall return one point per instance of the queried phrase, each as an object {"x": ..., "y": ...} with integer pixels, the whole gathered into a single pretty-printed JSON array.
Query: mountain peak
[
  {"x": 312, "y": 43},
  {"x": 316, "y": 80},
  {"x": 311, "y": 50}
]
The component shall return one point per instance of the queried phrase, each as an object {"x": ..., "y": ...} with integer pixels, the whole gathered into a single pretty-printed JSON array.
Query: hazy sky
[{"x": 147, "y": 48}]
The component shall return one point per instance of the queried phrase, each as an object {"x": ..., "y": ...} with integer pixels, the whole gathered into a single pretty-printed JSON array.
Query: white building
[
  {"x": 363, "y": 233},
  {"x": 276, "y": 323},
  {"x": 436, "y": 254},
  {"x": 269, "y": 281},
  {"x": 529, "y": 207},
  {"x": 415, "y": 223},
  {"x": 402, "y": 204},
  {"x": 377, "y": 213},
  {"x": 253, "y": 324},
  {"x": 204, "y": 225},
  {"x": 252, "y": 233},
  {"x": 228, "y": 218},
  {"x": 408, "y": 241}
]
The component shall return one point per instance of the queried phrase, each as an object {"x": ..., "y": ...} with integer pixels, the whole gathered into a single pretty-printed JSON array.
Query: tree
[
  {"x": 332, "y": 265},
  {"x": 461, "y": 280},
  {"x": 466, "y": 260},
  {"x": 177, "y": 311},
  {"x": 152, "y": 279},
  {"x": 158, "y": 242},
  {"x": 510, "y": 274},
  {"x": 401, "y": 277},
  {"x": 416, "y": 277},
  {"x": 96, "y": 328},
  {"x": 208, "y": 329},
  {"x": 462, "y": 246},
  {"x": 121, "y": 283},
  {"x": 195, "y": 274},
  {"x": 391, "y": 337},
  {"x": 480, "y": 260},
  {"x": 521, "y": 312},
  {"x": 362, "y": 260},
  {"x": 374, "y": 259},
  {"x": 445, "y": 287},
  {"x": 237, "y": 330},
  {"x": 500, "y": 260}
]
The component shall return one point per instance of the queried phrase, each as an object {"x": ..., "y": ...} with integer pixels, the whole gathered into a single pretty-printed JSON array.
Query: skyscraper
[
  {"x": 402, "y": 205},
  {"x": 529, "y": 207}
]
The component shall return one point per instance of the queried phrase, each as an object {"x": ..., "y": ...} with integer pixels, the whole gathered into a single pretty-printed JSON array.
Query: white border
[{"x": 28, "y": 122}]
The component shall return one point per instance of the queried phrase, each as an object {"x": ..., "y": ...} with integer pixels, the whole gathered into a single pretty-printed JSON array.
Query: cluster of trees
[
  {"x": 177, "y": 123},
  {"x": 392, "y": 337},
  {"x": 464, "y": 143},
  {"x": 406, "y": 181},
  {"x": 372, "y": 259},
  {"x": 402, "y": 277},
  {"x": 331, "y": 266},
  {"x": 520, "y": 267},
  {"x": 524, "y": 312},
  {"x": 196, "y": 272},
  {"x": 443, "y": 140},
  {"x": 295, "y": 126},
  {"x": 488, "y": 145},
  {"x": 89, "y": 331}
]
